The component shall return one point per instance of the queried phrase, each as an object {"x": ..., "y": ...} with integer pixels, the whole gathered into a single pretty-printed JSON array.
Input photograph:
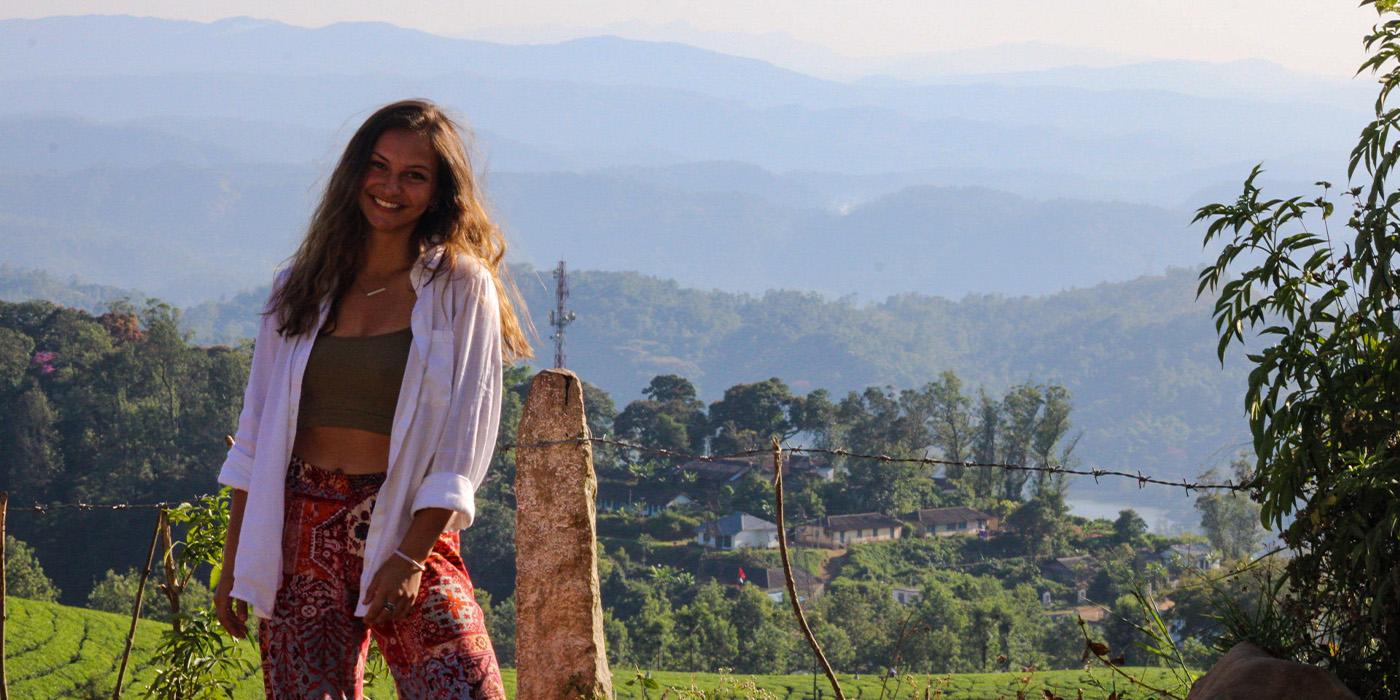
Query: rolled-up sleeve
[
  {"x": 474, "y": 406},
  {"x": 238, "y": 466}
]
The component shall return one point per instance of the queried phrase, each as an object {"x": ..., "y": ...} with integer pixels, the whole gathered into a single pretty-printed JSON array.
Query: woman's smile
[{"x": 400, "y": 181}]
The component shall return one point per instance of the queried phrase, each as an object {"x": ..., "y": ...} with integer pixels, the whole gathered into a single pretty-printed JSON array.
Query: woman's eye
[
  {"x": 377, "y": 165},
  {"x": 418, "y": 176}
]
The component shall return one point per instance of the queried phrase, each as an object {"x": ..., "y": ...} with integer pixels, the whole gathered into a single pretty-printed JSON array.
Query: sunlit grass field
[{"x": 55, "y": 651}]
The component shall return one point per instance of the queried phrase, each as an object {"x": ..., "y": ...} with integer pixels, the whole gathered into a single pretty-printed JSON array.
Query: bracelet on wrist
[{"x": 414, "y": 562}]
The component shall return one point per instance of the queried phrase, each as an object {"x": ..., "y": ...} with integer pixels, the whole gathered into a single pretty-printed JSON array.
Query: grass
[
  {"x": 964, "y": 686},
  {"x": 55, "y": 651}
]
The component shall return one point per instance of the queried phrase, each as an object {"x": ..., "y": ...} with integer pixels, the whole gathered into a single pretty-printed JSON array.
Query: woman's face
[{"x": 399, "y": 182}]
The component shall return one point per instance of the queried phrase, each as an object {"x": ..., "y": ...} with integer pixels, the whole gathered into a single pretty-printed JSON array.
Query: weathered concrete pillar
[{"x": 559, "y": 648}]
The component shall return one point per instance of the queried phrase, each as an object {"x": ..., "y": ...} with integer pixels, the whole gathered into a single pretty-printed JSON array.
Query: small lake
[{"x": 1159, "y": 520}]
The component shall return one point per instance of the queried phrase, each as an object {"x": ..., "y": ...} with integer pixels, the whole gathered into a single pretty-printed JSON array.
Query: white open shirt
[{"x": 443, "y": 434}]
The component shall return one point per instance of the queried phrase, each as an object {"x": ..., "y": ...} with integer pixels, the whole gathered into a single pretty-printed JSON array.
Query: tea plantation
[{"x": 56, "y": 651}]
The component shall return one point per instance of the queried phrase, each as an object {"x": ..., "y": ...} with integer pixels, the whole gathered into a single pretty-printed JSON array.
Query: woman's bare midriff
[{"x": 349, "y": 450}]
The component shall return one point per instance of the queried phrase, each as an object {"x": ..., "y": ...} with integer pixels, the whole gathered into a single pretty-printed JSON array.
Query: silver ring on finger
[{"x": 389, "y": 606}]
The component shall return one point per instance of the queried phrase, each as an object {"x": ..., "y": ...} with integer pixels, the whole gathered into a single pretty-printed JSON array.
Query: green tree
[
  {"x": 653, "y": 633},
  {"x": 765, "y": 632},
  {"x": 116, "y": 593},
  {"x": 984, "y": 484},
  {"x": 1039, "y": 523},
  {"x": 670, "y": 418},
  {"x": 500, "y": 625},
  {"x": 615, "y": 636},
  {"x": 951, "y": 423},
  {"x": 868, "y": 615},
  {"x": 881, "y": 422},
  {"x": 750, "y": 415},
  {"x": 1229, "y": 519},
  {"x": 16, "y": 356},
  {"x": 489, "y": 548},
  {"x": 24, "y": 576},
  {"x": 1021, "y": 414},
  {"x": 1324, "y": 386},
  {"x": 32, "y": 446},
  {"x": 1129, "y": 528},
  {"x": 710, "y": 641},
  {"x": 1050, "y": 429}
]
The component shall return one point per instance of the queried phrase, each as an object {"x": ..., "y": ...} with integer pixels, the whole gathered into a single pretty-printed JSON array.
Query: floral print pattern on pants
[{"x": 313, "y": 646}]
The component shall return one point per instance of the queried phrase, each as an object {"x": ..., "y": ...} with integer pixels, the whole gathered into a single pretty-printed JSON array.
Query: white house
[
  {"x": 905, "y": 595},
  {"x": 737, "y": 530}
]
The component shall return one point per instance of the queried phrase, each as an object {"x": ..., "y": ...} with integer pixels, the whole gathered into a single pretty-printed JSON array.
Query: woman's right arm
[
  {"x": 232, "y": 613},
  {"x": 237, "y": 469}
]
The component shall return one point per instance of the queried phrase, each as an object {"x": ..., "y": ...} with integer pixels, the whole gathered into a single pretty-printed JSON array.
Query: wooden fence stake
[
  {"x": 171, "y": 587},
  {"x": 4, "y": 592},
  {"x": 787, "y": 572},
  {"x": 136, "y": 609}
]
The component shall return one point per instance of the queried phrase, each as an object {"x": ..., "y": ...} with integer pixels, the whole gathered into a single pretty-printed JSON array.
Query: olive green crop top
[{"x": 353, "y": 382}]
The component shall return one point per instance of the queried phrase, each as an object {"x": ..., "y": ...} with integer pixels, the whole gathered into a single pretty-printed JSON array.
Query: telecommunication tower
[{"x": 559, "y": 317}]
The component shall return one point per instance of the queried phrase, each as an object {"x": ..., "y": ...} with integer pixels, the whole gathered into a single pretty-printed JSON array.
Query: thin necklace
[
  {"x": 369, "y": 292},
  {"x": 373, "y": 292}
]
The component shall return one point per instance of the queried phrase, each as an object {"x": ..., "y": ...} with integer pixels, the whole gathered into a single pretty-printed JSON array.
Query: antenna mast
[{"x": 559, "y": 317}]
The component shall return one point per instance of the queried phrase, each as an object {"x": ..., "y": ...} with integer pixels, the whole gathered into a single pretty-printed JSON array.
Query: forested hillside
[
  {"x": 119, "y": 408},
  {"x": 1138, "y": 357}
]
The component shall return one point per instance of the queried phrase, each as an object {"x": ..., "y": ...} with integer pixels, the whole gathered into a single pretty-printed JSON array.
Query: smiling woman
[
  {"x": 398, "y": 185},
  {"x": 368, "y": 422}
]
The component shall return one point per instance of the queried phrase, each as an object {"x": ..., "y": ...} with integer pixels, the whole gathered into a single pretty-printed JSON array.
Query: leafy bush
[
  {"x": 116, "y": 593},
  {"x": 24, "y": 576},
  {"x": 672, "y": 525},
  {"x": 1322, "y": 397}
]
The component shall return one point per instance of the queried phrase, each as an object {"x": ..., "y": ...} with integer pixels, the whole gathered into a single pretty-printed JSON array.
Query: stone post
[{"x": 559, "y": 647}]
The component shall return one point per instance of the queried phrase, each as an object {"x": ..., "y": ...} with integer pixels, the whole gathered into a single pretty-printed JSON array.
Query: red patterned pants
[{"x": 313, "y": 646}]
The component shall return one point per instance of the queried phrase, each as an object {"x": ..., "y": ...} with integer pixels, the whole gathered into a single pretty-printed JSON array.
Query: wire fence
[
  {"x": 1053, "y": 469},
  {"x": 775, "y": 456}
]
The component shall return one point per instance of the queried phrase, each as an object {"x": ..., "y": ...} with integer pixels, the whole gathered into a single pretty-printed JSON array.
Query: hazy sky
[{"x": 1321, "y": 36}]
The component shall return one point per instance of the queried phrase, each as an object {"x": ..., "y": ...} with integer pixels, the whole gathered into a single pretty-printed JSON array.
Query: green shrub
[{"x": 24, "y": 576}]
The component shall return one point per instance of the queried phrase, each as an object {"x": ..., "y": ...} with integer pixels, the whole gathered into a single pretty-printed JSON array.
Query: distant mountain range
[
  {"x": 188, "y": 232},
  {"x": 182, "y": 159},
  {"x": 603, "y": 101}
]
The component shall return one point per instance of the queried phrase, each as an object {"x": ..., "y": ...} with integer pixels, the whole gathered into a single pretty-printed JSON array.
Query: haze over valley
[{"x": 1009, "y": 224}]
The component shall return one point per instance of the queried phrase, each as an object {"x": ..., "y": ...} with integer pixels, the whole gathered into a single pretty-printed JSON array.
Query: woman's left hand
[{"x": 392, "y": 592}]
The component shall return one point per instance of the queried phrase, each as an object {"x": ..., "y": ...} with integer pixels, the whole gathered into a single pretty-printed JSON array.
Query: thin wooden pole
[
  {"x": 4, "y": 592},
  {"x": 787, "y": 573},
  {"x": 171, "y": 586},
  {"x": 136, "y": 609}
]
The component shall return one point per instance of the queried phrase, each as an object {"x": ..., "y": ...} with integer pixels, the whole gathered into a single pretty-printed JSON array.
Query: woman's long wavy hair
[{"x": 325, "y": 265}]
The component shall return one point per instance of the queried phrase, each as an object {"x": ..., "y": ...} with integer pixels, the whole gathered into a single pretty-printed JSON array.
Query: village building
[
  {"x": 768, "y": 579},
  {"x": 1076, "y": 573},
  {"x": 725, "y": 471},
  {"x": 840, "y": 531},
  {"x": 905, "y": 595},
  {"x": 737, "y": 530},
  {"x": 1190, "y": 555},
  {"x": 952, "y": 522},
  {"x": 647, "y": 499}
]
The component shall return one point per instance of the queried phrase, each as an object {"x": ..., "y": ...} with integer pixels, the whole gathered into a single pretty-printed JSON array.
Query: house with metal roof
[
  {"x": 737, "y": 530},
  {"x": 951, "y": 522},
  {"x": 840, "y": 531}
]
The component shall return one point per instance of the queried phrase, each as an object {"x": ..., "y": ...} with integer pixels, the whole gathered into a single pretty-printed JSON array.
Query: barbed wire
[
  {"x": 44, "y": 508},
  {"x": 1096, "y": 474},
  {"x": 1139, "y": 477}
]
